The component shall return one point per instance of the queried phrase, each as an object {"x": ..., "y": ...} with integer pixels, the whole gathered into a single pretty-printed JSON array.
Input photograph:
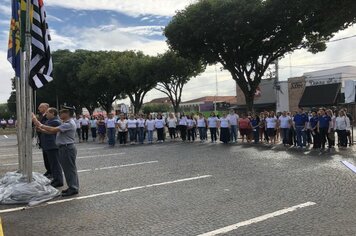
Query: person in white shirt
[
  {"x": 132, "y": 127},
  {"x": 225, "y": 129},
  {"x": 342, "y": 124},
  {"x": 201, "y": 124},
  {"x": 93, "y": 127},
  {"x": 172, "y": 125},
  {"x": 331, "y": 131},
  {"x": 191, "y": 124},
  {"x": 159, "y": 125},
  {"x": 233, "y": 119},
  {"x": 141, "y": 129},
  {"x": 11, "y": 123},
  {"x": 183, "y": 125},
  {"x": 121, "y": 125},
  {"x": 284, "y": 123},
  {"x": 150, "y": 127},
  {"x": 213, "y": 122},
  {"x": 3, "y": 123},
  {"x": 84, "y": 125},
  {"x": 110, "y": 123},
  {"x": 271, "y": 125},
  {"x": 78, "y": 128}
]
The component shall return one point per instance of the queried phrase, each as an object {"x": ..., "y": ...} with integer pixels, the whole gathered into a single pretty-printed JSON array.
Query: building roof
[
  {"x": 343, "y": 71},
  {"x": 228, "y": 99},
  {"x": 159, "y": 101}
]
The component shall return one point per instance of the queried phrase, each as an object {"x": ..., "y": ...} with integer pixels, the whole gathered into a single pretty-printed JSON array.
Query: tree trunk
[
  {"x": 176, "y": 108},
  {"x": 250, "y": 97}
]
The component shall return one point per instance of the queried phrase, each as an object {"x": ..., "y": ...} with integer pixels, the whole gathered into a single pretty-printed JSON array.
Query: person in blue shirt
[
  {"x": 314, "y": 129},
  {"x": 323, "y": 124},
  {"x": 300, "y": 126}
]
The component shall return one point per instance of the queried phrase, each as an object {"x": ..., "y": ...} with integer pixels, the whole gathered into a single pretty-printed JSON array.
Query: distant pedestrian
[
  {"x": 342, "y": 125},
  {"x": 233, "y": 119},
  {"x": 132, "y": 127},
  {"x": 224, "y": 125},
  {"x": 150, "y": 126},
  {"x": 110, "y": 123},
  {"x": 122, "y": 129},
  {"x": 93, "y": 127},
  {"x": 201, "y": 125},
  {"x": 284, "y": 124},
  {"x": 314, "y": 129},
  {"x": 3, "y": 123},
  {"x": 172, "y": 126},
  {"x": 183, "y": 125},
  {"x": 84, "y": 126},
  {"x": 159, "y": 125},
  {"x": 255, "y": 124},
  {"x": 78, "y": 127},
  {"x": 101, "y": 129},
  {"x": 141, "y": 129},
  {"x": 245, "y": 128},
  {"x": 300, "y": 126},
  {"x": 213, "y": 123}
]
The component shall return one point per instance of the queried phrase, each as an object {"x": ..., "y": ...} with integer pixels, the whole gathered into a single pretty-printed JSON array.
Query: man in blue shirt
[
  {"x": 324, "y": 124},
  {"x": 48, "y": 144},
  {"x": 300, "y": 126},
  {"x": 314, "y": 120}
]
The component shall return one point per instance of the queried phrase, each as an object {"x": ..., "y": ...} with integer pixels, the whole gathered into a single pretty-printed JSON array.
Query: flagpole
[
  {"x": 20, "y": 133},
  {"x": 28, "y": 97}
]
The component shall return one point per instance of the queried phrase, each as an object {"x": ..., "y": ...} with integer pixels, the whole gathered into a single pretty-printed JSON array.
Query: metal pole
[
  {"x": 28, "y": 96},
  {"x": 19, "y": 121}
]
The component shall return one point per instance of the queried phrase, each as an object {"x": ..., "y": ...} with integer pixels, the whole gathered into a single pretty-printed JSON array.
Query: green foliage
[
  {"x": 11, "y": 103},
  {"x": 246, "y": 36},
  {"x": 140, "y": 76},
  {"x": 5, "y": 112},
  {"x": 174, "y": 72},
  {"x": 149, "y": 108}
]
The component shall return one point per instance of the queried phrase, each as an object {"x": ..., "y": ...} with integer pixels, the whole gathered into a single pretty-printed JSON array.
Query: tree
[
  {"x": 149, "y": 108},
  {"x": 11, "y": 103},
  {"x": 174, "y": 72},
  {"x": 246, "y": 36},
  {"x": 100, "y": 74},
  {"x": 140, "y": 76}
]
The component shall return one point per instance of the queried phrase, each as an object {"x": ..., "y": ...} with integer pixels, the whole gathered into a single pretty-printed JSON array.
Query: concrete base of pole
[{"x": 15, "y": 189}]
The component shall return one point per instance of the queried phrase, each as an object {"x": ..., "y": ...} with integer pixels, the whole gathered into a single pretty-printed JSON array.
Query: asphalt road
[{"x": 192, "y": 189}]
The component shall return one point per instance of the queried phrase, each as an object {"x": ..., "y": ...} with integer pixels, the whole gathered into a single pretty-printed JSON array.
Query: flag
[
  {"x": 41, "y": 68},
  {"x": 14, "y": 47}
]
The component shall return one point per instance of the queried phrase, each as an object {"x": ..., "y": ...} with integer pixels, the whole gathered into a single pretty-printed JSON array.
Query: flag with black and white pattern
[{"x": 41, "y": 68}]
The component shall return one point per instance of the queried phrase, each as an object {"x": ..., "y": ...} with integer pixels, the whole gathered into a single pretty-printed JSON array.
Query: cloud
[
  {"x": 6, "y": 73},
  {"x": 5, "y": 10},
  {"x": 120, "y": 38},
  {"x": 129, "y": 7},
  {"x": 53, "y": 18}
]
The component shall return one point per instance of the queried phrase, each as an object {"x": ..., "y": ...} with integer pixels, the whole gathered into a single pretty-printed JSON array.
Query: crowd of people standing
[{"x": 300, "y": 129}]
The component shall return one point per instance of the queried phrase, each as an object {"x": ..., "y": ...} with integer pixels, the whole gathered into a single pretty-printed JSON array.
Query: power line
[{"x": 336, "y": 40}]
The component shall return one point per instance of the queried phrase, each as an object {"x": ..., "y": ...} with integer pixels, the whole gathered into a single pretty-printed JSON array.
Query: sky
[{"x": 138, "y": 25}]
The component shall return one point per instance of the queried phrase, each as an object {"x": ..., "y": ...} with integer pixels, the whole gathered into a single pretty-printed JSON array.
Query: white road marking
[
  {"x": 83, "y": 157},
  {"x": 37, "y": 153},
  {"x": 120, "y": 166},
  {"x": 257, "y": 219},
  {"x": 5, "y": 136},
  {"x": 349, "y": 165},
  {"x": 107, "y": 193}
]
